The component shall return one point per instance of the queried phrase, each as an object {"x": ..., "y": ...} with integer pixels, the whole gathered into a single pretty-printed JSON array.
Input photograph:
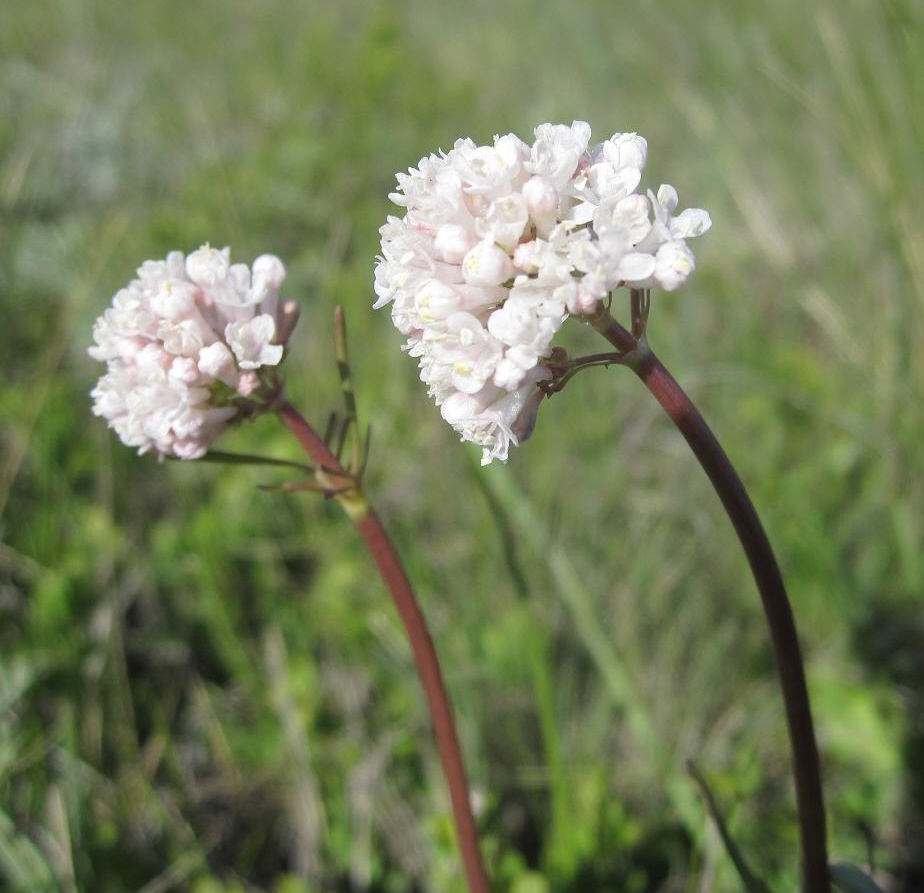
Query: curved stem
[
  {"x": 684, "y": 414},
  {"x": 389, "y": 565}
]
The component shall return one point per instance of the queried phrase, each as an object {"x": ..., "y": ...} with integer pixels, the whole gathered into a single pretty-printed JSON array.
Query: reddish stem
[
  {"x": 392, "y": 572},
  {"x": 730, "y": 489}
]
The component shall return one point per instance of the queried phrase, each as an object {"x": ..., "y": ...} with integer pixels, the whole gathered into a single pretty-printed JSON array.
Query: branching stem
[{"x": 392, "y": 572}]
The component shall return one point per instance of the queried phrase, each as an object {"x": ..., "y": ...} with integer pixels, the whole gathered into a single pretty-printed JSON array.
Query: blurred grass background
[{"x": 203, "y": 685}]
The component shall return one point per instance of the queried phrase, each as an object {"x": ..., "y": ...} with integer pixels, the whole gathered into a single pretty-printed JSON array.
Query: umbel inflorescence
[
  {"x": 500, "y": 244},
  {"x": 191, "y": 346}
]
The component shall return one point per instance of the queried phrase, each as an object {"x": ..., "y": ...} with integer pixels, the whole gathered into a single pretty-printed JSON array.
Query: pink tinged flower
[
  {"x": 557, "y": 150},
  {"x": 187, "y": 447},
  {"x": 624, "y": 150},
  {"x": 578, "y": 296},
  {"x": 251, "y": 342},
  {"x": 266, "y": 280},
  {"x": 509, "y": 374},
  {"x": 494, "y": 418},
  {"x": 175, "y": 299},
  {"x": 520, "y": 323},
  {"x": 490, "y": 170},
  {"x": 435, "y": 375},
  {"x": 630, "y": 214},
  {"x": 217, "y": 362},
  {"x": 504, "y": 221},
  {"x": 436, "y": 301},
  {"x": 248, "y": 383},
  {"x": 159, "y": 413},
  {"x": 183, "y": 370},
  {"x": 543, "y": 204},
  {"x": 608, "y": 183},
  {"x": 674, "y": 263},
  {"x": 466, "y": 349},
  {"x": 499, "y": 244},
  {"x": 453, "y": 241},
  {"x": 518, "y": 362},
  {"x": 635, "y": 266},
  {"x": 665, "y": 201},
  {"x": 185, "y": 338},
  {"x": 384, "y": 285},
  {"x": 183, "y": 326},
  {"x": 599, "y": 259},
  {"x": 109, "y": 397},
  {"x": 210, "y": 269},
  {"x": 513, "y": 150},
  {"x": 530, "y": 257},
  {"x": 542, "y": 262},
  {"x": 691, "y": 222},
  {"x": 486, "y": 265},
  {"x": 541, "y": 198}
]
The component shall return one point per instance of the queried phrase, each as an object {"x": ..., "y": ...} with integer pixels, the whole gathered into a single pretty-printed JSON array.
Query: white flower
[
  {"x": 252, "y": 342},
  {"x": 466, "y": 349},
  {"x": 190, "y": 346},
  {"x": 499, "y": 244},
  {"x": 673, "y": 264},
  {"x": 494, "y": 418},
  {"x": 486, "y": 264},
  {"x": 558, "y": 149}
]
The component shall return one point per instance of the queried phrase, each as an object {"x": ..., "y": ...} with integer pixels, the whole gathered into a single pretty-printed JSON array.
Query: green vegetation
[{"x": 203, "y": 685}]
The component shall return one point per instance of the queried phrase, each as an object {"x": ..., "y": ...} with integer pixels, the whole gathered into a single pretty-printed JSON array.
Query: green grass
[{"x": 203, "y": 685}]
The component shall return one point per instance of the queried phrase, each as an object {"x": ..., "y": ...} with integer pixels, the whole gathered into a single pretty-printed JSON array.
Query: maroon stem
[
  {"x": 684, "y": 414},
  {"x": 389, "y": 565}
]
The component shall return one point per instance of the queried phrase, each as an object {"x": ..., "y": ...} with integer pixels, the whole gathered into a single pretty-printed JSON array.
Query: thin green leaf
[
  {"x": 752, "y": 883},
  {"x": 223, "y": 458}
]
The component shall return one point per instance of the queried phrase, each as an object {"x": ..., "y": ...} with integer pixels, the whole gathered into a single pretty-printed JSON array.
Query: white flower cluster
[
  {"x": 185, "y": 344},
  {"x": 500, "y": 244}
]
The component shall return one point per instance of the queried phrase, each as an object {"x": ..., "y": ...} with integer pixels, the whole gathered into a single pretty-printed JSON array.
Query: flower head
[
  {"x": 190, "y": 346},
  {"x": 499, "y": 244}
]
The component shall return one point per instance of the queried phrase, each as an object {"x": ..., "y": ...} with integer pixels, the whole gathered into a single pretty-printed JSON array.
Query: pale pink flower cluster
[
  {"x": 500, "y": 244},
  {"x": 188, "y": 345}
]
